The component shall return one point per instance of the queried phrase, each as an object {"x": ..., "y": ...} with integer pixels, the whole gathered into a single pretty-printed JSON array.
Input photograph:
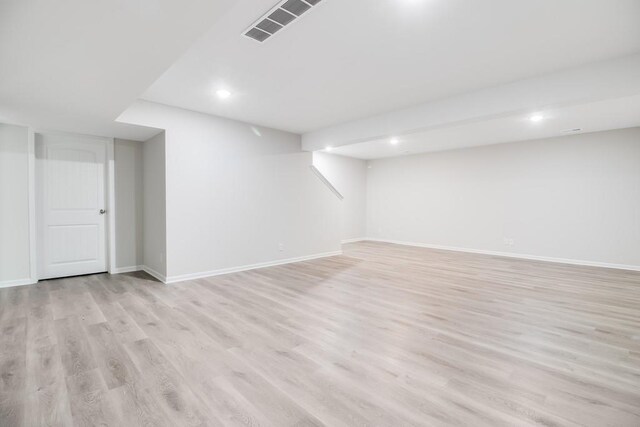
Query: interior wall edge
[
  {"x": 128, "y": 175},
  {"x": 19, "y": 282},
  {"x": 193, "y": 276},
  {"x": 511, "y": 255},
  {"x": 354, "y": 240},
  {"x": 128, "y": 269},
  {"x": 152, "y": 272},
  {"x": 31, "y": 182},
  {"x": 15, "y": 227}
]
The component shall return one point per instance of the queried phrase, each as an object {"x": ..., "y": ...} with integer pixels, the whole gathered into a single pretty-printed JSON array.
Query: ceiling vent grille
[{"x": 283, "y": 14}]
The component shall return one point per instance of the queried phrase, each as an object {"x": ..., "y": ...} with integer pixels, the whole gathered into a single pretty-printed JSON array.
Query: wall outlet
[
  {"x": 508, "y": 241},
  {"x": 281, "y": 247}
]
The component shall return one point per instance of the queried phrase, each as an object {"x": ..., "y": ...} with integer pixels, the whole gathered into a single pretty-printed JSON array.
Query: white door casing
[{"x": 71, "y": 192}]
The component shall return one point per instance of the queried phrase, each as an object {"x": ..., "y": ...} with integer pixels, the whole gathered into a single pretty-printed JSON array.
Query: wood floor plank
[
  {"x": 176, "y": 398},
  {"x": 73, "y": 346},
  {"x": 13, "y": 368},
  {"x": 91, "y": 405},
  {"x": 136, "y": 406},
  {"x": 49, "y": 405},
  {"x": 112, "y": 360},
  {"x": 383, "y": 335}
]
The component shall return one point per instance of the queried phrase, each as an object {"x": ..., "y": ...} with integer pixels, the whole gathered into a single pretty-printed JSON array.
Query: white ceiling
[
  {"x": 352, "y": 59},
  {"x": 586, "y": 97},
  {"x": 75, "y": 65},
  {"x": 438, "y": 74},
  {"x": 589, "y": 117}
]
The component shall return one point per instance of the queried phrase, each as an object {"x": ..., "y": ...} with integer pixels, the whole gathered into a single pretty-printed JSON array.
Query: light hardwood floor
[{"x": 384, "y": 335}]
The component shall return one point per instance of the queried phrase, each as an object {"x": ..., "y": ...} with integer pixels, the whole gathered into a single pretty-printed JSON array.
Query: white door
[{"x": 71, "y": 205}]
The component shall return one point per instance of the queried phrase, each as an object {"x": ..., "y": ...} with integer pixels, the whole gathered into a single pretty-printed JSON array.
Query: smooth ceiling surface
[
  {"x": 596, "y": 116},
  {"x": 75, "y": 65},
  {"x": 349, "y": 59}
]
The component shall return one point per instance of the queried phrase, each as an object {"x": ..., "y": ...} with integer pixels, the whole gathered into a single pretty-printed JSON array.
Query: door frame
[{"x": 110, "y": 188}]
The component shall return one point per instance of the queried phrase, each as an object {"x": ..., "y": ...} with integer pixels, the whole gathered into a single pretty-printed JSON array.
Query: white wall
[
  {"x": 14, "y": 205},
  {"x": 575, "y": 197},
  {"x": 235, "y": 192},
  {"x": 129, "y": 203},
  {"x": 154, "y": 205},
  {"x": 349, "y": 177}
]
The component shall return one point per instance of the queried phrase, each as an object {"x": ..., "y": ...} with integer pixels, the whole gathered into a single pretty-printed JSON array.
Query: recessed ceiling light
[
  {"x": 223, "y": 93},
  {"x": 394, "y": 141},
  {"x": 328, "y": 148},
  {"x": 536, "y": 117}
]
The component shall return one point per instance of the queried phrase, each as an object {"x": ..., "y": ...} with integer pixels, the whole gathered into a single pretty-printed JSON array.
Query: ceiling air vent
[{"x": 283, "y": 14}]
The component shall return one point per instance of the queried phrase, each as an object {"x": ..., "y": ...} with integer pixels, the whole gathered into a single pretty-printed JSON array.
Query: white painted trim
[
  {"x": 512, "y": 255},
  {"x": 357, "y": 239},
  {"x": 193, "y": 276},
  {"x": 111, "y": 206},
  {"x": 326, "y": 182},
  {"x": 21, "y": 282},
  {"x": 160, "y": 277},
  {"x": 31, "y": 165},
  {"x": 119, "y": 270}
]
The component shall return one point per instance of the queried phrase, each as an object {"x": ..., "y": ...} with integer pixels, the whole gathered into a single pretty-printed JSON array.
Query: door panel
[
  {"x": 73, "y": 243},
  {"x": 72, "y": 179},
  {"x": 70, "y": 173}
]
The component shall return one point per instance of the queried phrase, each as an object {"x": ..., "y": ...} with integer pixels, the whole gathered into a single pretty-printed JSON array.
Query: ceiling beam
[{"x": 581, "y": 85}]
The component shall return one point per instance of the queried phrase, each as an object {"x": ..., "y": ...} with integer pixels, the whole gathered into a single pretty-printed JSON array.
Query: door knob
[{"x": 102, "y": 212}]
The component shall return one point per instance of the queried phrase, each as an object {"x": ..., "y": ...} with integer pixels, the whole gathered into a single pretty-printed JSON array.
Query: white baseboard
[
  {"x": 357, "y": 239},
  {"x": 193, "y": 276},
  {"x": 160, "y": 277},
  {"x": 119, "y": 270},
  {"x": 20, "y": 282},
  {"x": 512, "y": 255}
]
